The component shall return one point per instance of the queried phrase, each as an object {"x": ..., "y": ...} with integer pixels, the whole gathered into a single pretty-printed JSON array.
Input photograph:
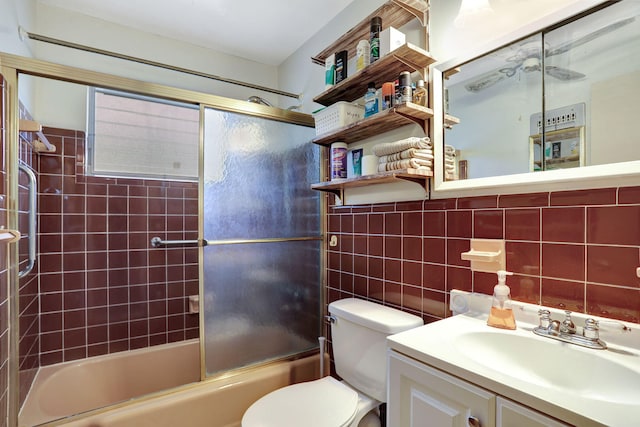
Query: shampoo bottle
[
  {"x": 501, "y": 315},
  {"x": 374, "y": 38}
]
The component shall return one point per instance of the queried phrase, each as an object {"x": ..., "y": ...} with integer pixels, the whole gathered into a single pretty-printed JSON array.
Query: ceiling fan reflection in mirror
[{"x": 528, "y": 58}]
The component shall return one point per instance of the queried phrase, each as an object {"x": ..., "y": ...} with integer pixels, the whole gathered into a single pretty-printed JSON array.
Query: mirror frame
[{"x": 597, "y": 176}]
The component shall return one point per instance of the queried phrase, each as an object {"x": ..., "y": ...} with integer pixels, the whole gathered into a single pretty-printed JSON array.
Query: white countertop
[{"x": 438, "y": 345}]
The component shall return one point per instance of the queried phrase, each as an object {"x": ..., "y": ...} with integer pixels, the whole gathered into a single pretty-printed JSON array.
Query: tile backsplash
[{"x": 576, "y": 250}]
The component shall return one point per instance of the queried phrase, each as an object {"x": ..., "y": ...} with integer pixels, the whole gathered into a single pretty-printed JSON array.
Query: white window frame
[{"x": 133, "y": 173}]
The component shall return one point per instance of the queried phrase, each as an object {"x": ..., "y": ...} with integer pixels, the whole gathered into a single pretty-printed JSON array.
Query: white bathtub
[
  {"x": 60, "y": 390},
  {"x": 72, "y": 387}
]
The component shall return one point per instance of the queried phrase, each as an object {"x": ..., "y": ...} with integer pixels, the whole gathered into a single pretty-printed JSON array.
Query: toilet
[{"x": 358, "y": 329}]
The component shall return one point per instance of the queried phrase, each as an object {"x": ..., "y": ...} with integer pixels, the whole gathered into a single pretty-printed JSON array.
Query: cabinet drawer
[{"x": 511, "y": 414}]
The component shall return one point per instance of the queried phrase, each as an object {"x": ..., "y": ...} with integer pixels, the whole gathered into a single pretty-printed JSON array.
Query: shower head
[{"x": 258, "y": 100}]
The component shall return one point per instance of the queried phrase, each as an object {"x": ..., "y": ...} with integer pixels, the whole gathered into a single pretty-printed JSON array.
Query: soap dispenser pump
[{"x": 501, "y": 315}]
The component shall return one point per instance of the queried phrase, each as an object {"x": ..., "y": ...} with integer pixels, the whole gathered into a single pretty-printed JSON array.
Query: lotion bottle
[{"x": 501, "y": 315}]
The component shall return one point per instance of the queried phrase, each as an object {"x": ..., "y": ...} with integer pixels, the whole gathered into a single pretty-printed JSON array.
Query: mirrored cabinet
[{"x": 555, "y": 101}]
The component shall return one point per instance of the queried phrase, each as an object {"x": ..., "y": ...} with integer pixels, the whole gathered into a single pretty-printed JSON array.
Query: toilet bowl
[
  {"x": 359, "y": 330},
  {"x": 326, "y": 402}
]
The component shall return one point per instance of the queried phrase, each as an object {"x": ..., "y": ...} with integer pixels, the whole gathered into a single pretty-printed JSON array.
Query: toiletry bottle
[
  {"x": 330, "y": 71},
  {"x": 388, "y": 95},
  {"x": 404, "y": 82},
  {"x": 370, "y": 100},
  {"x": 339, "y": 160},
  {"x": 363, "y": 51},
  {"x": 374, "y": 38},
  {"x": 501, "y": 315},
  {"x": 420, "y": 94},
  {"x": 341, "y": 66}
]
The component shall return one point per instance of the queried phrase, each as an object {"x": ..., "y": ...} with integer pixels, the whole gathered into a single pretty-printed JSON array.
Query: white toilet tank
[{"x": 359, "y": 342}]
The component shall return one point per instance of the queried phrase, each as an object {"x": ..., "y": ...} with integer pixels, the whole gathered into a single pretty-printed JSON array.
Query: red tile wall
[
  {"x": 576, "y": 250},
  {"x": 102, "y": 287}
]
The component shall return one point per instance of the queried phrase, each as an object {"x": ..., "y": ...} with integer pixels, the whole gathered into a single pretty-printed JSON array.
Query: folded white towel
[
  {"x": 404, "y": 164},
  {"x": 426, "y": 154},
  {"x": 387, "y": 148}
]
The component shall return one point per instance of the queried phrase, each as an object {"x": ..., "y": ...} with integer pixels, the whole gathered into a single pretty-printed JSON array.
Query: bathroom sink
[
  {"x": 591, "y": 374},
  {"x": 581, "y": 386}
]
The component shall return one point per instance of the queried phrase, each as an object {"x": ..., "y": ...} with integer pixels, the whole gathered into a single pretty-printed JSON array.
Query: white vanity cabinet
[{"x": 420, "y": 395}]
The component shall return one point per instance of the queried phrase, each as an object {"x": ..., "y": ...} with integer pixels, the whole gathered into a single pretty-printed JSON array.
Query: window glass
[{"x": 135, "y": 136}]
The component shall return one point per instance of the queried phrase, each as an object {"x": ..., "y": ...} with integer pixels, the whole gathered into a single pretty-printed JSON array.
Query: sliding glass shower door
[{"x": 262, "y": 262}]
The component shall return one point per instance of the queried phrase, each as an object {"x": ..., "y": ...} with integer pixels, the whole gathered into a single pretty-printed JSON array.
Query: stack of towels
[
  {"x": 450, "y": 164},
  {"x": 410, "y": 153}
]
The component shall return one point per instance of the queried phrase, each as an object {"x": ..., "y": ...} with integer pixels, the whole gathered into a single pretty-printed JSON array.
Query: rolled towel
[
  {"x": 409, "y": 153},
  {"x": 449, "y": 149},
  {"x": 404, "y": 164},
  {"x": 387, "y": 148}
]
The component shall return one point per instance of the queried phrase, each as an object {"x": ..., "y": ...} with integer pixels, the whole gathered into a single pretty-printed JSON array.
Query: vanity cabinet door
[
  {"x": 511, "y": 414},
  {"x": 419, "y": 395}
]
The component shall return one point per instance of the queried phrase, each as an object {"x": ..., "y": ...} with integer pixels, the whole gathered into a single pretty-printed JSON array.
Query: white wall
[
  {"x": 299, "y": 75},
  {"x": 13, "y": 14},
  {"x": 449, "y": 40},
  {"x": 77, "y": 28}
]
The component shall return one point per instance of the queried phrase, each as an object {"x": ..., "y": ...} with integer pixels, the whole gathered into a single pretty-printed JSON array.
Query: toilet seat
[{"x": 319, "y": 403}]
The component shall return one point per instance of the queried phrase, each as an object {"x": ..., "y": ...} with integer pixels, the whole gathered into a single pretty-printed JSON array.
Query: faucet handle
[
  {"x": 545, "y": 318},
  {"x": 591, "y": 329},
  {"x": 567, "y": 325}
]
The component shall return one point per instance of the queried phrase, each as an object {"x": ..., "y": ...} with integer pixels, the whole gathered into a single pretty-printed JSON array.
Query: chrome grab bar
[
  {"x": 157, "y": 242},
  {"x": 31, "y": 236}
]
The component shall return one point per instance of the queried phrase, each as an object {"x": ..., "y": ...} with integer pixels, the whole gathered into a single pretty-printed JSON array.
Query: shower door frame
[
  {"x": 13, "y": 65},
  {"x": 203, "y": 241}
]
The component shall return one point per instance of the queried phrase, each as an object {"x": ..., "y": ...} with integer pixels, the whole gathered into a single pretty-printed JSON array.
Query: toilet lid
[{"x": 319, "y": 403}]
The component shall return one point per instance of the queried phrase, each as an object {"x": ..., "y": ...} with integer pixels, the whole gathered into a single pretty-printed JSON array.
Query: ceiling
[{"x": 266, "y": 31}]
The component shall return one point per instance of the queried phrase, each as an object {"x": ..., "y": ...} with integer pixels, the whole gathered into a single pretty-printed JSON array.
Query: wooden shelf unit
[
  {"x": 394, "y": 13},
  {"x": 384, "y": 121},
  {"x": 385, "y": 69},
  {"x": 408, "y": 57},
  {"x": 337, "y": 186}
]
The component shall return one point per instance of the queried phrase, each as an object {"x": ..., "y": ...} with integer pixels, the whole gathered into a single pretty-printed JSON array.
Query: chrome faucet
[
  {"x": 567, "y": 326},
  {"x": 567, "y": 331}
]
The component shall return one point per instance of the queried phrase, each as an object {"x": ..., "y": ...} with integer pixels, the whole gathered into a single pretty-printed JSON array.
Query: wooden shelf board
[
  {"x": 384, "y": 121},
  {"x": 574, "y": 158},
  {"x": 385, "y": 69},
  {"x": 338, "y": 186},
  {"x": 451, "y": 120},
  {"x": 393, "y": 13}
]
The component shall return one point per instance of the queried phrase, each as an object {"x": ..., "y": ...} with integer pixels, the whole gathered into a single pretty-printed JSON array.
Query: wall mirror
[{"x": 554, "y": 102}]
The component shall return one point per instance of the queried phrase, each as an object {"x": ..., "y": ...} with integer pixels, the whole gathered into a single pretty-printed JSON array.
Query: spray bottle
[{"x": 501, "y": 315}]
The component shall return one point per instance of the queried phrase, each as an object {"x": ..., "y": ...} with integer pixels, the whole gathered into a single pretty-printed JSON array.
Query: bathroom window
[{"x": 136, "y": 136}]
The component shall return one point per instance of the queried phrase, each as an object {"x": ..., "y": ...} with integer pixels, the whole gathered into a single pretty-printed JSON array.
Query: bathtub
[
  {"x": 72, "y": 387},
  {"x": 218, "y": 402}
]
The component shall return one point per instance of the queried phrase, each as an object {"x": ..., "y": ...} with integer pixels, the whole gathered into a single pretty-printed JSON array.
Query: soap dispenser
[{"x": 501, "y": 315}]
